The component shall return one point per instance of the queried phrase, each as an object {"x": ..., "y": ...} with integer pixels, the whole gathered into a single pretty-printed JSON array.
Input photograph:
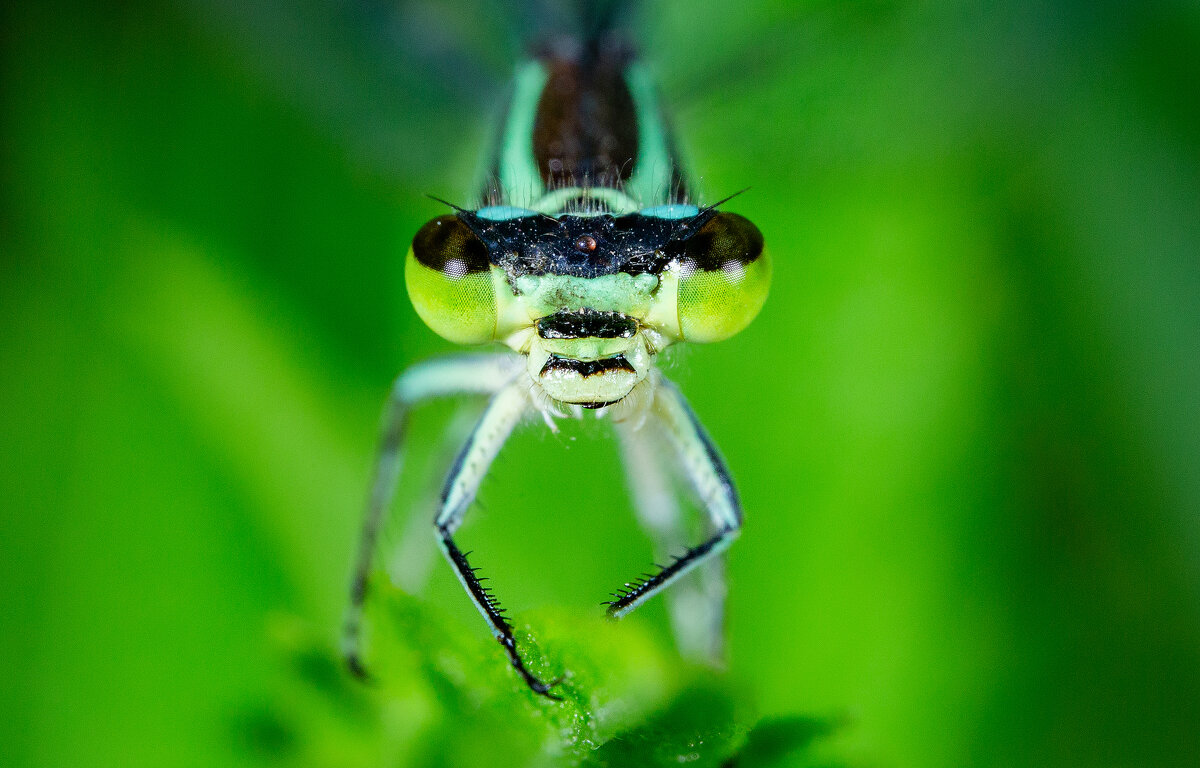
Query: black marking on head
[
  {"x": 594, "y": 406},
  {"x": 587, "y": 368},
  {"x": 587, "y": 324},
  {"x": 548, "y": 245},
  {"x": 449, "y": 239}
]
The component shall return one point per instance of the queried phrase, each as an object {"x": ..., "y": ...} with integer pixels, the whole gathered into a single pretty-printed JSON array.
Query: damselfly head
[{"x": 590, "y": 299}]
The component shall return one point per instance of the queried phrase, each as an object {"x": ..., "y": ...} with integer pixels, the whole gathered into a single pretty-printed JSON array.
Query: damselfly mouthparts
[{"x": 586, "y": 258}]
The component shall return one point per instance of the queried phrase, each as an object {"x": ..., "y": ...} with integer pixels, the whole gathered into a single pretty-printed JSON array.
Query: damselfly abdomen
[{"x": 586, "y": 257}]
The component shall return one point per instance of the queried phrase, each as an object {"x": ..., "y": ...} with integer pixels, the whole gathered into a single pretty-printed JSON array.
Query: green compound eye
[
  {"x": 724, "y": 278},
  {"x": 450, "y": 282}
]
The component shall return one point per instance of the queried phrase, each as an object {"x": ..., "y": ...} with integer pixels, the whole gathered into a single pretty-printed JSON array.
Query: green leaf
[{"x": 441, "y": 693}]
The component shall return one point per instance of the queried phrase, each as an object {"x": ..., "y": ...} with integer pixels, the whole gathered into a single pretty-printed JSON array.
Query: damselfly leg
[
  {"x": 697, "y": 602},
  {"x": 505, "y": 410},
  {"x": 709, "y": 478},
  {"x": 480, "y": 374}
]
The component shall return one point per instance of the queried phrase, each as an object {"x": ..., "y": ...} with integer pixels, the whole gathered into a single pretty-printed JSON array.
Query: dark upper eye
[
  {"x": 724, "y": 238},
  {"x": 447, "y": 245}
]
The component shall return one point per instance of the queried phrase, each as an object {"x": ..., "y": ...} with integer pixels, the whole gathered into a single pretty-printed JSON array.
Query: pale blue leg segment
[
  {"x": 408, "y": 559},
  {"x": 505, "y": 410},
  {"x": 459, "y": 375},
  {"x": 697, "y": 602},
  {"x": 706, "y": 471}
]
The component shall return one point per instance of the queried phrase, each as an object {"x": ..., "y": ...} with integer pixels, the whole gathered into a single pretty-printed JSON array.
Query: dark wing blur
[{"x": 392, "y": 80}]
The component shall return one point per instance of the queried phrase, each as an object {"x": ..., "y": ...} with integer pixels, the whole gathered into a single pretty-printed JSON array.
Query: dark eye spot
[
  {"x": 725, "y": 238},
  {"x": 447, "y": 245},
  {"x": 585, "y": 244}
]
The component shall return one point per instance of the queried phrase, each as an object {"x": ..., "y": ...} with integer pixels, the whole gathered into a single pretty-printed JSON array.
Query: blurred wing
[{"x": 391, "y": 81}]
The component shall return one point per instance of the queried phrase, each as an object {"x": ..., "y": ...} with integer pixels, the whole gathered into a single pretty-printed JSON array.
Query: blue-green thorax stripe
[
  {"x": 575, "y": 125},
  {"x": 520, "y": 181}
]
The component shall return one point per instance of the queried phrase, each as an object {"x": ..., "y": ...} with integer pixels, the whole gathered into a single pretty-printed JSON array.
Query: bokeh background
[{"x": 965, "y": 427}]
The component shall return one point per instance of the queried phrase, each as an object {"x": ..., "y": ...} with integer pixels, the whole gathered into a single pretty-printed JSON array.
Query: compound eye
[
  {"x": 449, "y": 281},
  {"x": 724, "y": 277}
]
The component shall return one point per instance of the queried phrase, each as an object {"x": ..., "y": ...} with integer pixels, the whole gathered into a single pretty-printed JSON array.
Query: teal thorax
[{"x": 583, "y": 133}]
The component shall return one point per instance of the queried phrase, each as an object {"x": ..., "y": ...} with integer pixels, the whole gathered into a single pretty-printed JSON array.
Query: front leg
[
  {"x": 457, "y": 375},
  {"x": 503, "y": 413},
  {"x": 708, "y": 475}
]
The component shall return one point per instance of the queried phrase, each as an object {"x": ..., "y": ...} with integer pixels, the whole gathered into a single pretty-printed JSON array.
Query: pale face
[{"x": 588, "y": 342}]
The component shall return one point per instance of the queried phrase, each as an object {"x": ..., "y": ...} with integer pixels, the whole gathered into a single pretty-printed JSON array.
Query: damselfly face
[{"x": 589, "y": 299}]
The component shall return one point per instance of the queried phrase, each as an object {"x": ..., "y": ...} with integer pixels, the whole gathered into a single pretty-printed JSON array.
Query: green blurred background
[{"x": 965, "y": 427}]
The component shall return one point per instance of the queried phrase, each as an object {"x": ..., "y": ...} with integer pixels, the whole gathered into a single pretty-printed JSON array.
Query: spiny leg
[
  {"x": 697, "y": 601},
  {"x": 708, "y": 475},
  {"x": 506, "y": 408},
  {"x": 459, "y": 375},
  {"x": 485, "y": 600}
]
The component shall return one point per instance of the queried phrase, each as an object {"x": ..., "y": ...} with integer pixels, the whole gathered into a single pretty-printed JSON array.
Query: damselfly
[{"x": 586, "y": 258}]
